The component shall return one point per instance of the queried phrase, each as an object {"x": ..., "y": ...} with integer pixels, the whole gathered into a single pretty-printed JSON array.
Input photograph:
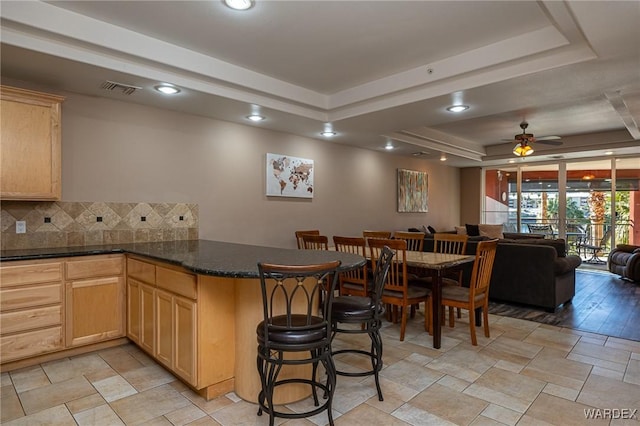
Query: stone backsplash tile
[{"x": 64, "y": 223}]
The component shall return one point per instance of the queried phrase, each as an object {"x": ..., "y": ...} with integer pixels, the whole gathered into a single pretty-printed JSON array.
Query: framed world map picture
[
  {"x": 289, "y": 176},
  {"x": 412, "y": 191}
]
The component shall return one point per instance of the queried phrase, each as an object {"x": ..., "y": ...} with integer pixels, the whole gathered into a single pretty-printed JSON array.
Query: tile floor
[{"x": 526, "y": 374}]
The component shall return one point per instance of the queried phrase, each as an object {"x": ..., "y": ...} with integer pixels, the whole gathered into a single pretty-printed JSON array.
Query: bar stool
[
  {"x": 367, "y": 312},
  {"x": 290, "y": 297}
]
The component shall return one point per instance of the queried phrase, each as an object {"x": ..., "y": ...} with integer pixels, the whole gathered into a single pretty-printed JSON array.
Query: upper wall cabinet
[{"x": 30, "y": 145}]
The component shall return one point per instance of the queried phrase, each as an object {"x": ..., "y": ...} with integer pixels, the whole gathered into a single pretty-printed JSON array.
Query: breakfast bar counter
[{"x": 193, "y": 305}]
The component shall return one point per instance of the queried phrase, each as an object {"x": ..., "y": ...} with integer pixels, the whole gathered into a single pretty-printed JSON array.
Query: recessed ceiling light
[
  {"x": 167, "y": 89},
  {"x": 255, "y": 117},
  {"x": 457, "y": 108},
  {"x": 239, "y": 4},
  {"x": 388, "y": 146},
  {"x": 443, "y": 157},
  {"x": 608, "y": 153},
  {"x": 328, "y": 133}
]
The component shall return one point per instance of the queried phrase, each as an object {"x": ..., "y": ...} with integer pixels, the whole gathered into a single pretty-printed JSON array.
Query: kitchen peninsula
[{"x": 192, "y": 305}]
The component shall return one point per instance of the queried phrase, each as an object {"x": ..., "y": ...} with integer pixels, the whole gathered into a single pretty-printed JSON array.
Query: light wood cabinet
[
  {"x": 31, "y": 309},
  {"x": 94, "y": 299},
  {"x": 192, "y": 322},
  {"x": 30, "y": 145}
]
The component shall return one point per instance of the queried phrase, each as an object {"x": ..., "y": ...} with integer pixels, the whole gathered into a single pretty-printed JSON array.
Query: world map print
[{"x": 289, "y": 176}]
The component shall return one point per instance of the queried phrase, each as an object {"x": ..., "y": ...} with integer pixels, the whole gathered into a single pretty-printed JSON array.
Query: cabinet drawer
[
  {"x": 142, "y": 271},
  {"x": 176, "y": 282},
  {"x": 29, "y": 319},
  {"x": 32, "y": 273},
  {"x": 89, "y": 268},
  {"x": 32, "y": 343},
  {"x": 29, "y": 297}
]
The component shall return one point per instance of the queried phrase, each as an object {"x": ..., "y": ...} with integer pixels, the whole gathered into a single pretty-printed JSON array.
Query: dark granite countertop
[{"x": 200, "y": 256}]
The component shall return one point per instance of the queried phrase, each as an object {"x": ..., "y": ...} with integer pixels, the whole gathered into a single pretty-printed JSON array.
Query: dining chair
[
  {"x": 477, "y": 295},
  {"x": 291, "y": 325},
  {"x": 299, "y": 235},
  {"x": 397, "y": 292},
  {"x": 366, "y": 311},
  {"x": 415, "y": 240},
  {"x": 315, "y": 242},
  {"x": 376, "y": 234},
  {"x": 353, "y": 282},
  {"x": 451, "y": 244}
]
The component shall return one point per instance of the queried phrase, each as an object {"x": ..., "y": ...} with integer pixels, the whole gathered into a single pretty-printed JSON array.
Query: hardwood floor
[{"x": 603, "y": 304}]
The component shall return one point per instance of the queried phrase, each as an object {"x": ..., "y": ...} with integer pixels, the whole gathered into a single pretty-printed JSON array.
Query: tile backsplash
[{"x": 63, "y": 224}]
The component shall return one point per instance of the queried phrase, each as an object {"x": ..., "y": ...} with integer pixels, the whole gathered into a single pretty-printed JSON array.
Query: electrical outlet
[{"x": 21, "y": 227}]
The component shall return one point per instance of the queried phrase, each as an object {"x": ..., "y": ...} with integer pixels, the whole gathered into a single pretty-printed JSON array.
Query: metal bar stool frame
[
  {"x": 368, "y": 312},
  {"x": 299, "y": 331}
]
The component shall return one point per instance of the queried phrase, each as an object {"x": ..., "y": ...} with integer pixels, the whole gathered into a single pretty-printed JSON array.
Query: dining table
[{"x": 436, "y": 265}]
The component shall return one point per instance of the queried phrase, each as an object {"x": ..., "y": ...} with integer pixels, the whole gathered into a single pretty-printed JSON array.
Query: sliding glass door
[{"x": 588, "y": 203}]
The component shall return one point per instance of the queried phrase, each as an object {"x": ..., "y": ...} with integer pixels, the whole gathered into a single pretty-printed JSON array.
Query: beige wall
[
  {"x": 470, "y": 195},
  {"x": 121, "y": 152}
]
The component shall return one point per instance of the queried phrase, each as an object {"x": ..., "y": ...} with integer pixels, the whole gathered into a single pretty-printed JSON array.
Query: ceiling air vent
[
  {"x": 420, "y": 154},
  {"x": 126, "y": 89}
]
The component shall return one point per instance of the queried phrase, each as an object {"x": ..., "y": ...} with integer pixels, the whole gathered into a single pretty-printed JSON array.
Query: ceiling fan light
[{"x": 522, "y": 150}]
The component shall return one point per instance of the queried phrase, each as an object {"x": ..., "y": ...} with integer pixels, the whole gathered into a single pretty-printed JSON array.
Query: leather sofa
[
  {"x": 528, "y": 270},
  {"x": 624, "y": 260}
]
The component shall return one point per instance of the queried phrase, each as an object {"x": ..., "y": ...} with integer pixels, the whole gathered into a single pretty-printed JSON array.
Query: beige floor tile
[
  {"x": 600, "y": 371},
  {"x": 603, "y": 392},
  {"x": 464, "y": 364},
  {"x": 148, "y": 377},
  {"x": 120, "y": 360},
  {"x": 185, "y": 415},
  {"x": 506, "y": 389},
  {"x": 206, "y": 406},
  {"x": 29, "y": 378},
  {"x": 617, "y": 343},
  {"x": 509, "y": 366},
  {"x": 149, "y": 404},
  {"x": 598, "y": 362},
  {"x": 559, "y": 411},
  {"x": 602, "y": 352},
  {"x": 52, "y": 395},
  {"x": 552, "y": 339},
  {"x": 485, "y": 421},
  {"x": 5, "y": 379},
  {"x": 10, "y": 407},
  {"x": 100, "y": 415},
  {"x": 454, "y": 383},
  {"x": 416, "y": 416},
  {"x": 242, "y": 413},
  {"x": 58, "y": 415},
  {"x": 448, "y": 404},
  {"x": 394, "y": 394},
  {"x": 68, "y": 368},
  {"x": 350, "y": 392},
  {"x": 158, "y": 421},
  {"x": 204, "y": 421},
  {"x": 406, "y": 374},
  {"x": 114, "y": 388},
  {"x": 632, "y": 375},
  {"x": 501, "y": 414},
  {"x": 561, "y": 392},
  {"x": 367, "y": 415},
  {"x": 560, "y": 371},
  {"x": 86, "y": 403},
  {"x": 512, "y": 350}
]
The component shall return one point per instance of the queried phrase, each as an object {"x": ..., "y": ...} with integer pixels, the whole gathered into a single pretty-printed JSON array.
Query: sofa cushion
[
  {"x": 559, "y": 244},
  {"x": 472, "y": 230},
  {"x": 491, "y": 231}
]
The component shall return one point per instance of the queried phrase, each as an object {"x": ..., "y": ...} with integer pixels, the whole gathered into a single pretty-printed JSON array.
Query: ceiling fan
[{"x": 524, "y": 140}]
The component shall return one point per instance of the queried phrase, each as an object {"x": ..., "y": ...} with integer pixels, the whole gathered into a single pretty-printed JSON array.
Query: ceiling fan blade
[
  {"x": 549, "y": 138},
  {"x": 553, "y": 142}
]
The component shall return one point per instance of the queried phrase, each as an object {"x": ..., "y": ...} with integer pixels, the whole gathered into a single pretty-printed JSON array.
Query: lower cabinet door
[
  {"x": 185, "y": 347},
  {"x": 134, "y": 310},
  {"x": 147, "y": 318},
  {"x": 94, "y": 310},
  {"x": 164, "y": 328}
]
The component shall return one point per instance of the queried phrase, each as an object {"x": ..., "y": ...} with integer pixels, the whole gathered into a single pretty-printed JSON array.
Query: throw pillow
[
  {"x": 431, "y": 229},
  {"x": 461, "y": 230},
  {"x": 472, "y": 230},
  {"x": 491, "y": 231}
]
